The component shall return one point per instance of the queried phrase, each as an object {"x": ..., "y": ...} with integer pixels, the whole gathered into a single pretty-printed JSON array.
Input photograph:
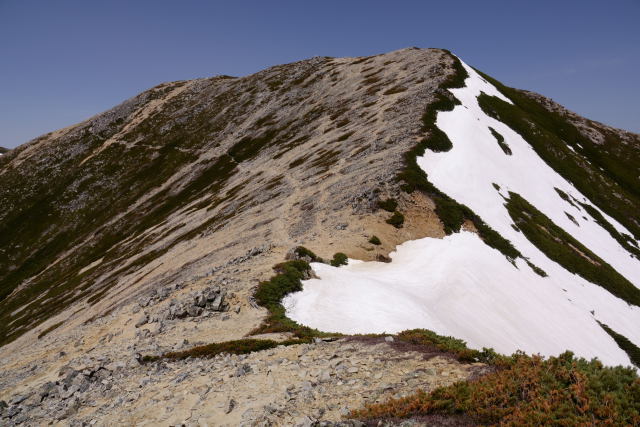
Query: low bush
[
  {"x": 388, "y": 205},
  {"x": 397, "y": 219},
  {"x": 248, "y": 148},
  {"x": 454, "y": 346},
  {"x": 243, "y": 346},
  {"x": 339, "y": 259},
  {"x": 269, "y": 294},
  {"x": 302, "y": 252},
  {"x": 396, "y": 89},
  {"x": 49, "y": 329},
  {"x": 561, "y": 390},
  {"x": 437, "y": 141},
  {"x": 345, "y": 136},
  {"x": 342, "y": 123},
  {"x": 374, "y": 240},
  {"x": 625, "y": 344},
  {"x": 505, "y": 147},
  {"x": 540, "y": 272}
]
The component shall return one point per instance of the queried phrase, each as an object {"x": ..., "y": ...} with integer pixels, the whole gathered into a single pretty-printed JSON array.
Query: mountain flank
[
  {"x": 154, "y": 190},
  {"x": 145, "y": 253}
]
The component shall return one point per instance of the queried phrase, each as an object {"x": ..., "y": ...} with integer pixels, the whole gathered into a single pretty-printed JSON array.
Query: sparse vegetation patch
[
  {"x": 244, "y": 346},
  {"x": 625, "y": 240},
  {"x": 625, "y": 344},
  {"x": 269, "y": 294},
  {"x": 374, "y": 240},
  {"x": 388, "y": 205},
  {"x": 50, "y": 329},
  {"x": 397, "y": 219},
  {"x": 562, "y": 248},
  {"x": 339, "y": 259},
  {"x": 395, "y": 89},
  {"x": 503, "y": 145}
]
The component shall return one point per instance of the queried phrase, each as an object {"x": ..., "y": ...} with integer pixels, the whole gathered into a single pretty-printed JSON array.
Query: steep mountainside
[
  {"x": 151, "y": 190},
  {"x": 571, "y": 267},
  {"x": 146, "y": 229}
]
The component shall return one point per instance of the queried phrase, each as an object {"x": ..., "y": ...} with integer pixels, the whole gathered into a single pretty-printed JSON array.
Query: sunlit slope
[{"x": 590, "y": 272}]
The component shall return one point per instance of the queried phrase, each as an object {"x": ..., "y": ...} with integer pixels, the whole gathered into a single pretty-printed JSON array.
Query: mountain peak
[{"x": 183, "y": 220}]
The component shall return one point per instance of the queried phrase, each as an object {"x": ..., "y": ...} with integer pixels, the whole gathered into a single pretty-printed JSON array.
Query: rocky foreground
[{"x": 302, "y": 385}]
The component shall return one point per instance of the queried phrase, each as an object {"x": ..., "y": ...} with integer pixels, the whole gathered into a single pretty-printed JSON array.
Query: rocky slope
[
  {"x": 146, "y": 229},
  {"x": 191, "y": 174}
]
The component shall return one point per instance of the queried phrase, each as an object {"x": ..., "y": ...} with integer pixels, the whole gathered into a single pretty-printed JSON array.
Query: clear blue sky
[{"x": 63, "y": 61}]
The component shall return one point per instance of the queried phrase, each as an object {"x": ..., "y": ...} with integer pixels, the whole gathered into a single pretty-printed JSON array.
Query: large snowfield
[{"x": 461, "y": 287}]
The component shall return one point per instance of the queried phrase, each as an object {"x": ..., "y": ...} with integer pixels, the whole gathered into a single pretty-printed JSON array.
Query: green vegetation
[
  {"x": 395, "y": 89},
  {"x": 247, "y": 148},
  {"x": 625, "y": 240},
  {"x": 572, "y": 218},
  {"x": 244, "y": 346},
  {"x": 540, "y": 272},
  {"x": 300, "y": 160},
  {"x": 342, "y": 123},
  {"x": 451, "y": 213},
  {"x": 374, "y": 240},
  {"x": 269, "y": 294},
  {"x": 49, "y": 329},
  {"x": 40, "y": 226},
  {"x": 325, "y": 159},
  {"x": 562, "y": 248},
  {"x": 501, "y": 143},
  {"x": 344, "y": 137},
  {"x": 605, "y": 173},
  {"x": 623, "y": 342},
  {"x": 438, "y": 141},
  {"x": 397, "y": 219},
  {"x": 388, "y": 205},
  {"x": 526, "y": 390},
  {"x": 564, "y": 196},
  {"x": 454, "y": 346},
  {"x": 339, "y": 259},
  {"x": 371, "y": 80},
  {"x": 302, "y": 252}
]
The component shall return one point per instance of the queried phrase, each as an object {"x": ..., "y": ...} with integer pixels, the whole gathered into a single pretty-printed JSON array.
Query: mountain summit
[{"x": 459, "y": 205}]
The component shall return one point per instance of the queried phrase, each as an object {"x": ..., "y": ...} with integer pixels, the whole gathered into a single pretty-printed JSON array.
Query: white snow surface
[{"x": 459, "y": 286}]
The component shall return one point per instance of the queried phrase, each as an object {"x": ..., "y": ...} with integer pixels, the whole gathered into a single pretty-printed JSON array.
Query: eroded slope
[{"x": 151, "y": 190}]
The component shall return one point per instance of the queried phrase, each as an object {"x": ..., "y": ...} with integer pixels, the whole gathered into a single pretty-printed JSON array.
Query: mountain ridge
[{"x": 199, "y": 185}]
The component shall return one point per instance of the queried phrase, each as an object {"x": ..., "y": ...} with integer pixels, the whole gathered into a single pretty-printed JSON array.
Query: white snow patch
[
  {"x": 459, "y": 286},
  {"x": 454, "y": 286}
]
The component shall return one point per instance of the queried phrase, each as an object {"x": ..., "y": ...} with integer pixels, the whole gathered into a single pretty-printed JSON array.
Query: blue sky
[{"x": 64, "y": 61}]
